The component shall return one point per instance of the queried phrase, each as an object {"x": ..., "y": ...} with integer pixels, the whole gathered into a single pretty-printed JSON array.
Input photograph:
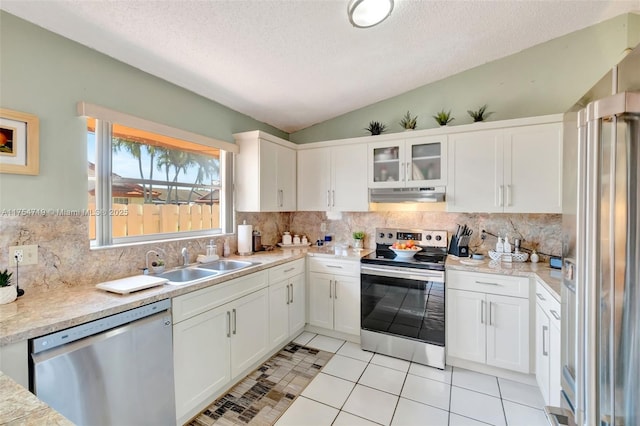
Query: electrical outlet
[
  {"x": 323, "y": 227},
  {"x": 27, "y": 255}
]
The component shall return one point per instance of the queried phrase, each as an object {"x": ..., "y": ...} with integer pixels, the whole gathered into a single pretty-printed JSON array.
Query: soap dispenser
[
  {"x": 499, "y": 245},
  {"x": 507, "y": 245}
]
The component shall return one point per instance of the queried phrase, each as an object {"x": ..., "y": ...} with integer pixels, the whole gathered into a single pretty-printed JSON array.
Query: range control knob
[
  {"x": 389, "y": 235},
  {"x": 382, "y": 235},
  {"x": 438, "y": 237},
  {"x": 428, "y": 237}
]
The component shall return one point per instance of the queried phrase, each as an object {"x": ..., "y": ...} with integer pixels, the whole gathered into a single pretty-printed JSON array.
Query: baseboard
[
  {"x": 332, "y": 333},
  {"x": 529, "y": 379}
]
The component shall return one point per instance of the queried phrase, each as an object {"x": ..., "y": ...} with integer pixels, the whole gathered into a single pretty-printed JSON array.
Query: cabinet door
[
  {"x": 314, "y": 179},
  {"x": 286, "y": 168},
  {"x": 346, "y": 304},
  {"x": 249, "y": 330},
  {"x": 386, "y": 164},
  {"x": 508, "y": 332},
  {"x": 533, "y": 169},
  {"x": 426, "y": 161},
  {"x": 349, "y": 178},
  {"x": 269, "y": 191},
  {"x": 278, "y": 313},
  {"x": 466, "y": 331},
  {"x": 555, "y": 366},
  {"x": 542, "y": 352},
  {"x": 475, "y": 172},
  {"x": 201, "y": 358},
  {"x": 321, "y": 300},
  {"x": 297, "y": 304}
]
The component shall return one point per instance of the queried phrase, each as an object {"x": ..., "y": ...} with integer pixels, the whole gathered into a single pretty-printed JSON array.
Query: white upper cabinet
[
  {"x": 511, "y": 170},
  {"x": 408, "y": 162},
  {"x": 265, "y": 173},
  {"x": 333, "y": 178}
]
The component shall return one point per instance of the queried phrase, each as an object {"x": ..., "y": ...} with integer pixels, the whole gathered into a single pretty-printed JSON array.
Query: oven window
[{"x": 402, "y": 307}]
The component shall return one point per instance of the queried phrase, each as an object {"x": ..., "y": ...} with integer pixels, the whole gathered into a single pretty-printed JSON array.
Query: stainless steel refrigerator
[{"x": 601, "y": 254}]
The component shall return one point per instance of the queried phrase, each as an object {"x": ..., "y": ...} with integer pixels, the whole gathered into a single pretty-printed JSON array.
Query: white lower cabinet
[
  {"x": 213, "y": 346},
  {"x": 488, "y": 319},
  {"x": 548, "y": 364},
  {"x": 334, "y": 295},
  {"x": 286, "y": 302}
]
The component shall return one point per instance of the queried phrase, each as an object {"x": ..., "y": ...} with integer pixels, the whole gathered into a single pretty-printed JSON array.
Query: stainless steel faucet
[{"x": 185, "y": 256}]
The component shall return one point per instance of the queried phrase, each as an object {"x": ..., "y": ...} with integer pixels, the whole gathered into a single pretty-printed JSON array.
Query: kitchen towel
[{"x": 244, "y": 238}]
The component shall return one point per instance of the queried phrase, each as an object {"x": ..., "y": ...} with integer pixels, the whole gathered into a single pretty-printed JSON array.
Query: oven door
[{"x": 403, "y": 302}]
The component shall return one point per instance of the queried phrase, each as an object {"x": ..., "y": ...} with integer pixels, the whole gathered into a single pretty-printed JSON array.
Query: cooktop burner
[{"x": 432, "y": 256}]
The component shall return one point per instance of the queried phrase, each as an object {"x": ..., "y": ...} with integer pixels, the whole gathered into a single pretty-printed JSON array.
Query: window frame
[{"x": 105, "y": 118}]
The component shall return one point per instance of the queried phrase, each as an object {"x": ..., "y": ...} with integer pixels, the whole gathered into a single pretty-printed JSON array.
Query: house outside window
[{"x": 145, "y": 186}]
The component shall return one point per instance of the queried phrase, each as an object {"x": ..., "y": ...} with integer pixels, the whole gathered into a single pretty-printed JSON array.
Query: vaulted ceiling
[{"x": 294, "y": 63}]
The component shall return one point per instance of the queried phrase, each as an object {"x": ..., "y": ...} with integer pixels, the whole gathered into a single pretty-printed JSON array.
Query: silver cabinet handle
[
  {"x": 508, "y": 195},
  {"x": 482, "y": 312},
  {"x": 288, "y": 296},
  {"x": 328, "y": 198},
  {"x": 334, "y": 266},
  {"x": 500, "y": 195},
  {"x": 330, "y": 284},
  {"x": 555, "y": 314},
  {"x": 291, "y": 285},
  {"x": 490, "y": 313},
  {"x": 228, "y": 324},
  {"x": 234, "y": 320},
  {"x": 545, "y": 352},
  {"x": 333, "y": 198},
  {"x": 289, "y": 270},
  {"x": 281, "y": 196},
  {"x": 540, "y": 296},
  {"x": 335, "y": 289},
  {"x": 486, "y": 282}
]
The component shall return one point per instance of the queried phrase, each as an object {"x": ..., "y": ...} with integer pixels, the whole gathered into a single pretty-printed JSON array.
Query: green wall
[
  {"x": 544, "y": 79},
  {"x": 44, "y": 74}
]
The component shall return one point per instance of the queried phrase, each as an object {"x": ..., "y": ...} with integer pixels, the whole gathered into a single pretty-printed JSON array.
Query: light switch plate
[{"x": 29, "y": 254}]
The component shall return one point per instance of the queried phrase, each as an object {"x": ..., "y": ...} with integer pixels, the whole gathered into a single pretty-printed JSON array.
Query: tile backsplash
[{"x": 66, "y": 259}]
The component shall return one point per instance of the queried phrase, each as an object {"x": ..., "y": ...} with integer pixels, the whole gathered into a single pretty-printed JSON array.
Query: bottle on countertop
[
  {"x": 534, "y": 257},
  {"x": 211, "y": 248},
  {"x": 296, "y": 239},
  {"x": 304, "y": 240},
  {"x": 500, "y": 245},
  {"x": 226, "y": 248},
  {"x": 507, "y": 245},
  {"x": 286, "y": 239}
]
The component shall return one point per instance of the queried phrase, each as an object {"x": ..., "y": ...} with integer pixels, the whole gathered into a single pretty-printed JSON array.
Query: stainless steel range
[{"x": 402, "y": 300}]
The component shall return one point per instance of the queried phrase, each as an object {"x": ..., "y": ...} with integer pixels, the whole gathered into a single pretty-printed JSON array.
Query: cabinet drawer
[
  {"x": 286, "y": 271},
  {"x": 196, "y": 302},
  {"x": 338, "y": 267},
  {"x": 548, "y": 303},
  {"x": 489, "y": 283}
]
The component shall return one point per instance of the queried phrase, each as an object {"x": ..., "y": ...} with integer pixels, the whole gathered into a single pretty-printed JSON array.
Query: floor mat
[{"x": 264, "y": 395}]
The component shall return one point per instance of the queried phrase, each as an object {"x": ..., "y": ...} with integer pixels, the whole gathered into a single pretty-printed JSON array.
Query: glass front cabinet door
[{"x": 415, "y": 162}]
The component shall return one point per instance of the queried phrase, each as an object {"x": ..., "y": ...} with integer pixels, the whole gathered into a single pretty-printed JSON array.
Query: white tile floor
[{"x": 359, "y": 388}]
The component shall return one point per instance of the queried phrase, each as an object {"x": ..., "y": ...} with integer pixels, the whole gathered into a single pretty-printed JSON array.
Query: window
[{"x": 145, "y": 186}]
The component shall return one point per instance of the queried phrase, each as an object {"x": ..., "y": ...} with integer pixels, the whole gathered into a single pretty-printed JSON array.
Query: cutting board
[{"x": 131, "y": 284}]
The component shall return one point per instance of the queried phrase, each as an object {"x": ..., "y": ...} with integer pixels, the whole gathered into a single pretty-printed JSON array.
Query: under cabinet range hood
[{"x": 432, "y": 194}]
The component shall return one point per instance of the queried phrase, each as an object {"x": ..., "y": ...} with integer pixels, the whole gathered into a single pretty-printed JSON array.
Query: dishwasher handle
[{"x": 82, "y": 331}]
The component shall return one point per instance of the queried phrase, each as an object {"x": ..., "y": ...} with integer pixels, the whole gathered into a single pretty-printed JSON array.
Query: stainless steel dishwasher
[{"x": 116, "y": 370}]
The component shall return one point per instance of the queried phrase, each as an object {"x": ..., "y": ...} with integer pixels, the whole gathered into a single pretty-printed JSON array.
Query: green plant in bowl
[
  {"x": 376, "y": 128},
  {"x": 408, "y": 122},
  {"x": 5, "y": 278},
  {"x": 358, "y": 235},
  {"x": 443, "y": 117},
  {"x": 480, "y": 115}
]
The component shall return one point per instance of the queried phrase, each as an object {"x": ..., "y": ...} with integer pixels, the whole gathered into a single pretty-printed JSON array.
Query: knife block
[{"x": 456, "y": 249}]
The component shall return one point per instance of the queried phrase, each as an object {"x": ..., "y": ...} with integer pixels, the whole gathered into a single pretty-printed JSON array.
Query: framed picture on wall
[{"x": 19, "y": 143}]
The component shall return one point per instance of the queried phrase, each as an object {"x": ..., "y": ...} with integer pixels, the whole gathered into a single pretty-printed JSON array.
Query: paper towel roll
[{"x": 244, "y": 239}]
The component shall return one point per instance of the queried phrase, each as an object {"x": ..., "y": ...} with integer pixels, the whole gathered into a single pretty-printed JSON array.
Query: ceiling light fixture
[{"x": 367, "y": 13}]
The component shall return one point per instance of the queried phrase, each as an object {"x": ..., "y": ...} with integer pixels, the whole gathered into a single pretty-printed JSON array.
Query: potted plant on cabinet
[
  {"x": 408, "y": 122},
  {"x": 376, "y": 128},
  {"x": 358, "y": 239},
  {"x": 480, "y": 114},
  {"x": 443, "y": 117},
  {"x": 8, "y": 293}
]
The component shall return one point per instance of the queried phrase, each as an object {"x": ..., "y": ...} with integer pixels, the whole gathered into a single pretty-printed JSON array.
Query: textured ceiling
[{"x": 295, "y": 63}]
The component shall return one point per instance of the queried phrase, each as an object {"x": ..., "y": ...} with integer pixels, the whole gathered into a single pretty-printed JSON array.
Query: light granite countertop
[
  {"x": 18, "y": 406},
  {"x": 550, "y": 278},
  {"x": 38, "y": 313}
]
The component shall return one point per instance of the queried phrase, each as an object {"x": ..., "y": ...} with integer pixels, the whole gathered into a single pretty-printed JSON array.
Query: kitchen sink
[
  {"x": 226, "y": 265},
  {"x": 183, "y": 276}
]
